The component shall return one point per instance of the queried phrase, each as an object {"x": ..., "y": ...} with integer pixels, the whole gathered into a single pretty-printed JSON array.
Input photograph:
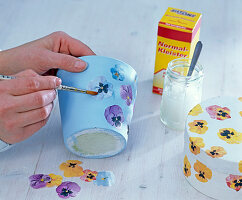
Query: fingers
[
  {"x": 62, "y": 49},
  {"x": 77, "y": 48},
  {"x": 63, "y": 43},
  {"x": 26, "y": 85},
  {"x": 34, "y": 116},
  {"x": 34, "y": 100},
  {"x": 27, "y": 73},
  {"x": 29, "y": 130},
  {"x": 25, "y": 105},
  {"x": 65, "y": 62}
]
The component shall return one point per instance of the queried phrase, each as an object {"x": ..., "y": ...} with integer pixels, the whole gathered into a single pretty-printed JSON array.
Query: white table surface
[{"x": 150, "y": 167}]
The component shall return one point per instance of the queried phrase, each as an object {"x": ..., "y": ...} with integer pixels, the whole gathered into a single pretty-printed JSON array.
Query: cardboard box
[{"x": 178, "y": 33}]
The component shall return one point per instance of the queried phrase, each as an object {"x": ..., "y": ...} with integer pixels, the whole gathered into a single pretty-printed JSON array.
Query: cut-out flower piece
[
  {"x": 219, "y": 113},
  {"x": 68, "y": 189},
  {"x": 186, "y": 167},
  {"x": 117, "y": 73},
  {"x": 126, "y": 93},
  {"x": 240, "y": 166},
  {"x": 89, "y": 175},
  {"x": 204, "y": 173},
  {"x": 114, "y": 115},
  {"x": 198, "y": 126},
  {"x": 240, "y": 99},
  {"x": 55, "y": 180},
  {"x": 230, "y": 135},
  {"x": 195, "y": 144},
  {"x": 39, "y": 180},
  {"x": 216, "y": 152},
  {"x": 234, "y": 182},
  {"x": 100, "y": 85},
  {"x": 105, "y": 178},
  {"x": 71, "y": 168},
  {"x": 196, "y": 110}
]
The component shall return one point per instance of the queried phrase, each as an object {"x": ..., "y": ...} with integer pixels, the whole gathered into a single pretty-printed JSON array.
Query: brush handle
[
  {"x": 72, "y": 89},
  {"x": 4, "y": 77},
  {"x": 61, "y": 87}
]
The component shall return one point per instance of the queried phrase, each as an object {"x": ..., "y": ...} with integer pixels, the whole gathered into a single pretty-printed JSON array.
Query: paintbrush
[{"x": 61, "y": 87}]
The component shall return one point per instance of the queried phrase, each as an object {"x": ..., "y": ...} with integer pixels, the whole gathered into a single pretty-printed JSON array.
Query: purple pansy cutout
[
  {"x": 114, "y": 115},
  {"x": 100, "y": 85},
  {"x": 39, "y": 180},
  {"x": 126, "y": 93},
  {"x": 68, "y": 189},
  {"x": 117, "y": 73}
]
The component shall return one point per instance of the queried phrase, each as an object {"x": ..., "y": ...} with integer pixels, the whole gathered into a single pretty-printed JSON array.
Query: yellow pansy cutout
[
  {"x": 71, "y": 168},
  {"x": 216, "y": 152},
  {"x": 195, "y": 144},
  {"x": 56, "y": 180},
  {"x": 240, "y": 166},
  {"x": 186, "y": 167},
  {"x": 198, "y": 126},
  {"x": 203, "y": 172},
  {"x": 230, "y": 135},
  {"x": 196, "y": 110}
]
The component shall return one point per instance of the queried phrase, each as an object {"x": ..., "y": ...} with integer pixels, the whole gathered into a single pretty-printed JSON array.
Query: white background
[{"x": 150, "y": 167}]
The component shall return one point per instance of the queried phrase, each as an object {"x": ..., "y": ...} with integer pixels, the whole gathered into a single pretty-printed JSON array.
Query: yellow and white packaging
[{"x": 178, "y": 33}]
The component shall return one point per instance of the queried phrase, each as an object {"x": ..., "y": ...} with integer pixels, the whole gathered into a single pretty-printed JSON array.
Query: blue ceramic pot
[{"x": 97, "y": 126}]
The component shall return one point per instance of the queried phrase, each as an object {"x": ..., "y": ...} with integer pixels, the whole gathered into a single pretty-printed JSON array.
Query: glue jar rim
[{"x": 197, "y": 73}]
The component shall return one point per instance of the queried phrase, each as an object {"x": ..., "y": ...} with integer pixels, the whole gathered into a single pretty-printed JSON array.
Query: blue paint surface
[{"x": 81, "y": 112}]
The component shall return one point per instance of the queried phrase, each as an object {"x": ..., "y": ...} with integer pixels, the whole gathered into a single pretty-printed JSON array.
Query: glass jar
[{"x": 181, "y": 93}]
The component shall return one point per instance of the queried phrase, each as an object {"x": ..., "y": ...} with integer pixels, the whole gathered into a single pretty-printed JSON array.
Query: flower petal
[
  {"x": 70, "y": 188},
  {"x": 117, "y": 73},
  {"x": 55, "y": 180},
  {"x": 105, "y": 178},
  {"x": 39, "y": 180},
  {"x": 113, "y": 112}
]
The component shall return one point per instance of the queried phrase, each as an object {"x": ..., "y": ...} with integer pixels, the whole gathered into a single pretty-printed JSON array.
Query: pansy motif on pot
[
  {"x": 186, "y": 167},
  {"x": 203, "y": 172},
  {"x": 117, "y": 73},
  {"x": 114, "y": 115},
  {"x": 39, "y": 180},
  {"x": 234, "y": 182},
  {"x": 216, "y": 152},
  {"x": 106, "y": 178},
  {"x": 198, "y": 126},
  {"x": 196, "y": 110},
  {"x": 230, "y": 135},
  {"x": 126, "y": 93},
  {"x": 88, "y": 175},
  {"x": 102, "y": 86},
  {"x": 219, "y": 113},
  {"x": 55, "y": 180},
  {"x": 195, "y": 144},
  {"x": 68, "y": 189},
  {"x": 71, "y": 168},
  {"x": 240, "y": 166}
]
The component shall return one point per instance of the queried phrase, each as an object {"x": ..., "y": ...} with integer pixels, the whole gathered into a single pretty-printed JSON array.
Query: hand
[
  {"x": 25, "y": 105},
  {"x": 56, "y": 50}
]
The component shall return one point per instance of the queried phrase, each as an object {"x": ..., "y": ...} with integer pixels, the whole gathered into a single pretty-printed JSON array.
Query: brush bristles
[{"x": 91, "y": 92}]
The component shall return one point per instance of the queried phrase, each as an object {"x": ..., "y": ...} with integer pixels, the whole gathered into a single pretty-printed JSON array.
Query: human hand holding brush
[{"x": 26, "y": 102}]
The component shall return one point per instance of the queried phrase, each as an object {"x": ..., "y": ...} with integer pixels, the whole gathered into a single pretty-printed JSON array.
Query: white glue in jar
[{"x": 181, "y": 92}]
